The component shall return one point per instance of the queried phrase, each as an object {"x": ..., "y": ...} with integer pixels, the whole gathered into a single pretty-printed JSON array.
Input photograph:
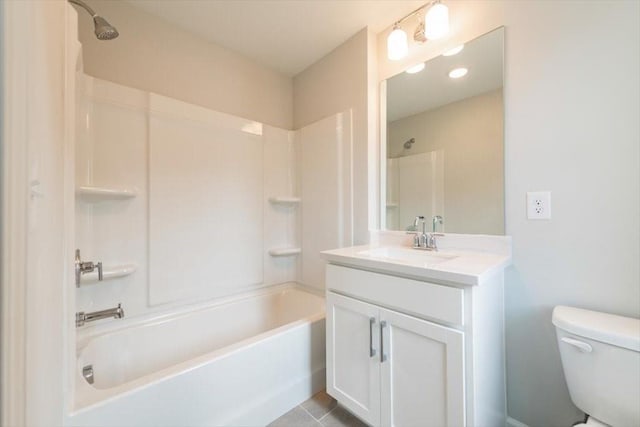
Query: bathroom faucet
[
  {"x": 427, "y": 241},
  {"x": 82, "y": 317}
]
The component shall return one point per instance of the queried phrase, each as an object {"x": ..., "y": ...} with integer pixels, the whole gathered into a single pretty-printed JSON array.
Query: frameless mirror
[{"x": 444, "y": 148}]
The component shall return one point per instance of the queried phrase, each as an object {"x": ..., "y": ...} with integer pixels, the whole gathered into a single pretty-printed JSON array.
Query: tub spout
[{"x": 82, "y": 317}]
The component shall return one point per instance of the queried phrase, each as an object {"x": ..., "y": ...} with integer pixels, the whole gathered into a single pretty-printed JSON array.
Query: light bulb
[
  {"x": 415, "y": 69},
  {"x": 456, "y": 73},
  {"x": 397, "y": 45},
  {"x": 436, "y": 22}
]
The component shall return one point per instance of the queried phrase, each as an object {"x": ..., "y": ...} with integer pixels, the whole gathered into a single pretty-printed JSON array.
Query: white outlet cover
[{"x": 539, "y": 205}]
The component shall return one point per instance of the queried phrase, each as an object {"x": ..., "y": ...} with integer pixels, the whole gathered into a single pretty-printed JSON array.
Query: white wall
[
  {"x": 39, "y": 55},
  {"x": 572, "y": 102},
  {"x": 470, "y": 132},
  {"x": 340, "y": 81},
  {"x": 154, "y": 56}
]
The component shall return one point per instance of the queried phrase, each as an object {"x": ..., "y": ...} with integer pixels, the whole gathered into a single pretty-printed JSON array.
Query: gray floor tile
[
  {"x": 297, "y": 417},
  {"x": 340, "y": 417},
  {"x": 319, "y": 405}
]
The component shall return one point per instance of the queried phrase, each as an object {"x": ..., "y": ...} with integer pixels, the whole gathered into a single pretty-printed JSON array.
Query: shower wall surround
[
  {"x": 205, "y": 202},
  {"x": 199, "y": 199},
  {"x": 326, "y": 151}
]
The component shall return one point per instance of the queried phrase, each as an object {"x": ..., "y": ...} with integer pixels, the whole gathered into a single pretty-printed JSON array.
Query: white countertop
[{"x": 455, "y": 265}]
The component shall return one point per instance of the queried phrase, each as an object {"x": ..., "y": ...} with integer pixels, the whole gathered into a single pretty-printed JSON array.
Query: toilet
[{"x": 600, "y": 355}]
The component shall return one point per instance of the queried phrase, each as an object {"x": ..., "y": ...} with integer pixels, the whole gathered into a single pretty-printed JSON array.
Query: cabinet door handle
[
  {"x": 372, "y": 351},
  {"x": 383, "y": 357}
]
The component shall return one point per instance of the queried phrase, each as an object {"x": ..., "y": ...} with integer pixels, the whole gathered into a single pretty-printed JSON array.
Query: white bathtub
[{"x": 242, "y": 362}]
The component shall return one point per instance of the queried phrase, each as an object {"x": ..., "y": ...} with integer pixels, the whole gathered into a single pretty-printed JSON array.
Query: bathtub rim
[
  {"x": 85, "y": 334},
  {"x": 103, "y": 396}
]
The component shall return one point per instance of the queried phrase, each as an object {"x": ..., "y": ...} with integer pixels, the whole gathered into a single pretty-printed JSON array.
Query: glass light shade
[
  {"x": 415, "y": 69},
  {"x": 436, "y": 22},
  {"x": 397, "y": 45}
]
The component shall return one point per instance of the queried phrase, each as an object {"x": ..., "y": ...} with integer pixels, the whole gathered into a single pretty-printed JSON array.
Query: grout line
[
  {"x": 309, "y": 413},
  {"x": 323, "y": 417}
]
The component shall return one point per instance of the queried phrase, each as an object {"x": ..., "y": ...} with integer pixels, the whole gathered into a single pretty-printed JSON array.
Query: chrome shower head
[
  {"x": 409, "y": 143},
  {"x": 102, "y": 28}
]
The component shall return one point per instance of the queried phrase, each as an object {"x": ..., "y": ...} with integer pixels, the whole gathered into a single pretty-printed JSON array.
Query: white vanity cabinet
[{"x": 404, "y": 352}]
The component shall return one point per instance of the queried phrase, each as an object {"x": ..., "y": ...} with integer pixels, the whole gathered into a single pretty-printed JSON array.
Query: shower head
[
  {"x": 409, "y": 143},
  {"x": 102, "y": 28}
]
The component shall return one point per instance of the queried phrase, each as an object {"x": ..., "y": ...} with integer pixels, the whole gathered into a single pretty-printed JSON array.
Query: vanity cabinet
[
  {"x": 404, "y": 352},
  {"x": 393, "y": 369}
]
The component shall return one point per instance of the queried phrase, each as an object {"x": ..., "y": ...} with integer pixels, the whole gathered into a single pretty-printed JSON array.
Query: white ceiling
[
  {"x": 287, "y": 35},
  {"x": 409, "y": 94}
]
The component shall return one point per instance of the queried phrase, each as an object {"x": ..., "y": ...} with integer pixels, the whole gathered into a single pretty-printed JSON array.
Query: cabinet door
[
  {"x": 353, "y": 364},
  {"x": 422, "y": 378}
]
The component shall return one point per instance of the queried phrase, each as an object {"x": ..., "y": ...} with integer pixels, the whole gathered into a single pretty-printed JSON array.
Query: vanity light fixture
[
  {"x": 456, "y": 50},
  {"x": 456, "y": 73},
  {"x": 435, "y": 25},
  {"x": 397, "y": 45},
  {"x": 436, "y": 22},
  {"x": 415, "y": 68}
]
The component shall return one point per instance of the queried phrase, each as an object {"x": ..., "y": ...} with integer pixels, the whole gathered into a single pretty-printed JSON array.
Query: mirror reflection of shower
[{"x": 409, "y": 143}]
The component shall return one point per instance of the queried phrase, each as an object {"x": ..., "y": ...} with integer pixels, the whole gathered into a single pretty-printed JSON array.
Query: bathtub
[{"x": 244, "y": 361}]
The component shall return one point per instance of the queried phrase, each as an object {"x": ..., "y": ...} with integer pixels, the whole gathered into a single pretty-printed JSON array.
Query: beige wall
[
  {"x": 571, "y": 127},
  {"x": 340, "y": 81},
  {"x": 155, "y": 56},
  {"x": 471, "y": 134}
]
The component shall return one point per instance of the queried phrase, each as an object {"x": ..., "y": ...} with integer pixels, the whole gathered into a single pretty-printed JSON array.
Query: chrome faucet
[
  {"x": 427, "y": 241},
  {"x": 84, "y": 267},
  {"x": 82, "y": 317}
]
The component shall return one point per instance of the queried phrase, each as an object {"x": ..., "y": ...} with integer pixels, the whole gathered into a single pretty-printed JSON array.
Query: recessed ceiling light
[
  {"x": 415, "y": 69},
  {"x": 456, "y": 50},
  {"x": 456, "y": 73}
]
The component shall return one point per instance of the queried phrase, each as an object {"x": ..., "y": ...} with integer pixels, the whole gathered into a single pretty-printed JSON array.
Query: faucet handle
[{"x": 84, "y": 267}]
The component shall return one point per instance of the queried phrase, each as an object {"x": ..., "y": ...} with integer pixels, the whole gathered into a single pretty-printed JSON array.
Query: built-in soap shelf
[
  {"x": 278, "y": 252},
  {"x": 284, "y": 200},
  {"x": 99, "y": 194},
  {"x": 109, "y": 273},
  {"x": 392, "y": 204}
]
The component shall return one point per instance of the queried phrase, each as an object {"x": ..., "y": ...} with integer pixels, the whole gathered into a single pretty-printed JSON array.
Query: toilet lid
[{"x": 607, "y": 328}]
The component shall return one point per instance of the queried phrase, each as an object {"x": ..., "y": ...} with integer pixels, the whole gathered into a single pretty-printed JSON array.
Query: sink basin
[{"x": 407, "y": 255}]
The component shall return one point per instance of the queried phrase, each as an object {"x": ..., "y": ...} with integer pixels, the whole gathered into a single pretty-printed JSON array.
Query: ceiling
[
  {"x": 409, "y": 94},
  {"x": 286, "y": 35}
]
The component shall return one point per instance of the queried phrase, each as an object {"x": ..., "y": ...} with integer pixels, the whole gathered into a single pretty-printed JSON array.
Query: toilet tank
[{"x": 601, "y": 361}]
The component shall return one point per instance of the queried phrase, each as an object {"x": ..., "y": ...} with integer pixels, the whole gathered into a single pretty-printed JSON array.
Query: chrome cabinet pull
[
  {"x": 372, "y": 351},
  {"x": 383, "y": 357}
]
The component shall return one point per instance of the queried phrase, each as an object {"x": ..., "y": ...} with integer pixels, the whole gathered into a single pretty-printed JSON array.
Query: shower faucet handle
[{"x": 84, "y": 267}]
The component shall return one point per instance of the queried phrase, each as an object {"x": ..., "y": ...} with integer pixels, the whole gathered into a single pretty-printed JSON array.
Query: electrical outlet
[{"x": 539, "y": 205}]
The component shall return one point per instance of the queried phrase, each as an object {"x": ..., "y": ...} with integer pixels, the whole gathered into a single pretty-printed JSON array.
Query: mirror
[{"x": 444, "y": 148}]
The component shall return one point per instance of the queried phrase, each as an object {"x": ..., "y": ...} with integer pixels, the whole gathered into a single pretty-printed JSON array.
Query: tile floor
[{"x": 321, "y": 410}]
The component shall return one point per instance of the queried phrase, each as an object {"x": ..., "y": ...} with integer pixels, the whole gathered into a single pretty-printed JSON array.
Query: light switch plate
[{"x": 539, "y": 205}]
